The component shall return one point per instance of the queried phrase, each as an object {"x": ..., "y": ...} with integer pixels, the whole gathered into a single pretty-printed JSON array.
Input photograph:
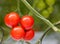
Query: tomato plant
[{"x": 42, "y": 14}]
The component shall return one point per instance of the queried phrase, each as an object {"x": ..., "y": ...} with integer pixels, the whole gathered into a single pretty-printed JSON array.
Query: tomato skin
[
  {"x": 27, "y": 22},
  {"x": 11, "y": 19},
  {"x": 17, "y": 33},
  {"x": 29, "y": 35}
]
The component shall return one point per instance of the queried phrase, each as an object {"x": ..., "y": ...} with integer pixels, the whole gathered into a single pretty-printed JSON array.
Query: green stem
[
  {"x": 48, "y": 29},
  {"x": 1, "y": 42},
  {"x": 40, "y": 40},
  {"x": 34, "y": 4},
  {"x": 44, "y": 34},
  {"x": 39, "y": 15},
  {"x": 18, "y": 6}
]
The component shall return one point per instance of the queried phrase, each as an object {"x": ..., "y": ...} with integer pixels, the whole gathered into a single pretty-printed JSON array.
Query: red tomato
[
  {"x": 17, "y": 33},
  {"x": 11, "y": 19},
  {"x": 27, "y": 22},
  {"x": 29, "y": 35}
]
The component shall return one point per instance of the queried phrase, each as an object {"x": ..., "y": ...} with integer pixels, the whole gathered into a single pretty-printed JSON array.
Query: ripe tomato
[
  {"x": 29, "y": 34},
  {"x": 27, "y": 22},
  {"x": 11, "y": 19},
  {"x": 17, "y": 33}
]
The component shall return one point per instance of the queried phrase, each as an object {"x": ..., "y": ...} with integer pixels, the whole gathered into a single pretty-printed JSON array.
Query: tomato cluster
[{"x": 22, "y": 31}]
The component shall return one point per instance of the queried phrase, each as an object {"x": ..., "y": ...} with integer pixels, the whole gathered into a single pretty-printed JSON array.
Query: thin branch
[
  {"x": 44, "y": 34},
  {"x": 28, "y": 42},
  {"x": 2, "y": 34},
  {"x": 40, "y": 16},
  {"x": 34, "y": 4},
  {"x": 18, "y": 6},
  {"x": 48, "y": 29}
]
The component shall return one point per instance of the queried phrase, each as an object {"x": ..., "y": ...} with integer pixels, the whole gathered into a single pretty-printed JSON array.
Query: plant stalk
[
  {"x": 44, "y": 34},
  {"x": 1, "y": 42},
  {"x": 39, "y": 15}
]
